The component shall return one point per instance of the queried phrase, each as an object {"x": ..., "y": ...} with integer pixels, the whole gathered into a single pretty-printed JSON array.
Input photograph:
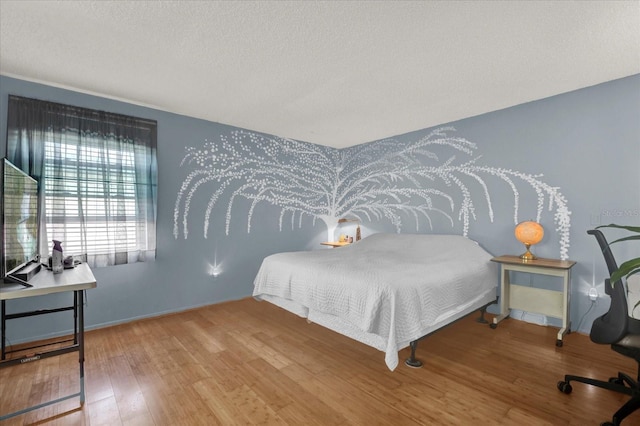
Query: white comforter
[{"x": 385, "y": 290}]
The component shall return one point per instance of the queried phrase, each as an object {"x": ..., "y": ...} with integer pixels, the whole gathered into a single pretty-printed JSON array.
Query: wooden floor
[{"x": 249, "y": 362}]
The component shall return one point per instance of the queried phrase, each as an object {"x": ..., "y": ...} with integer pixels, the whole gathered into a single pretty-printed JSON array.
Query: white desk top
[{"x": 46, "y": 282}]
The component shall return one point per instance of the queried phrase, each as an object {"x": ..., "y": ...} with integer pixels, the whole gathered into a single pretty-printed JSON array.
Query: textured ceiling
[{"x": 333, "y": 73}]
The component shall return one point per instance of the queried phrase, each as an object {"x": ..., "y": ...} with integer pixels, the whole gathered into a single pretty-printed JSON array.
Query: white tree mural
[{"x": 380, "y": 180}]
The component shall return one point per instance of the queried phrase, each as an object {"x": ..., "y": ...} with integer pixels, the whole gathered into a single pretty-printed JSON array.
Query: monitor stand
[
  {"x": 24, "y": 274},
  {"x": 12, "y": 279}
]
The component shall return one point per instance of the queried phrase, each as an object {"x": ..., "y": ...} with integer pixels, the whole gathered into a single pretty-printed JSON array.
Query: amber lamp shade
[{"x": 529, "y": 233}]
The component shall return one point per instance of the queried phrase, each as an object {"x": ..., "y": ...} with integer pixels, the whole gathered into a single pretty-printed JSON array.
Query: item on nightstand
[
  {"x": 56, "y": 257},
  {"x": 529, "y": 233},
  {"x": 358, "y": 234}
]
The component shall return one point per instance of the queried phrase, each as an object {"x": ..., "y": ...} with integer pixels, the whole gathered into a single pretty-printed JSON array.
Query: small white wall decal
[{"x": 385, "y": 179}]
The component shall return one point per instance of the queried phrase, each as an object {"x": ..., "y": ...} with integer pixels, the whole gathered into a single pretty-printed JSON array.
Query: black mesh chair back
[{"x": 617, "y": 329}]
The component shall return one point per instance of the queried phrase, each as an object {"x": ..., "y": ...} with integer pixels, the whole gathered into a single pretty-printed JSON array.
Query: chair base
[{"x": 622, "y": 384}]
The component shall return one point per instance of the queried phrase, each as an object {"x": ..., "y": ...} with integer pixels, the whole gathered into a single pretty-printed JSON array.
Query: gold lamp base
[{"x": 527, "y": 255}]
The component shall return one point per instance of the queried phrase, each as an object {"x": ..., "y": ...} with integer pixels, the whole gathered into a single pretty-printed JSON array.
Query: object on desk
[
  {"x": 69, "y": 263},
  {"x": 23, "y": 274},
  {"x": 56, "y": 257}
]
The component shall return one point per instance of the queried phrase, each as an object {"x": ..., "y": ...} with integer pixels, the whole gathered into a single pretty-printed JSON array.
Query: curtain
[{"x": 97, "y": 173}]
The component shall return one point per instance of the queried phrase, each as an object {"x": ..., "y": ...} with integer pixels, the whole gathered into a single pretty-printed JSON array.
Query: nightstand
[
  {"x": 542, "y": 301},
  {"x": 335, "y": 244}
]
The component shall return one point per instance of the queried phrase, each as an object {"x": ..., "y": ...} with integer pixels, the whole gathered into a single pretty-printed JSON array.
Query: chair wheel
[
  {"x": 559, "y": 343},
  {"x": 493, "y": 326},
  {"x": 616, "y": 381},
  {"x": 564, "y": 387}
]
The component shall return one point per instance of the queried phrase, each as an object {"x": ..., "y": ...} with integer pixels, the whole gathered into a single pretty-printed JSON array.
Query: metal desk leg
[
  {"x": 566, "y": 303},
  {"x": 504, "y": 297},
  {"x": 75, "y": 318},
  {"x": 79, "y": 346},
  {"x": 4, "y": 329},
  {"x": 80, "y": 306}
]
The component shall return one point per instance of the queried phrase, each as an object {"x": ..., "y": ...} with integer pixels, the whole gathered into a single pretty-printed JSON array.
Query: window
[{"x": 97, "y": 174}]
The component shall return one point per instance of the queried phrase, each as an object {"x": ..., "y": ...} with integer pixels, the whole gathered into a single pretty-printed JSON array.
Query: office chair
[{"x": 621, "y": 332}]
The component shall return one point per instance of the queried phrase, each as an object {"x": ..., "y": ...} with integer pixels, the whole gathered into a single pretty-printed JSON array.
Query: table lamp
[{"x": 529, "y": 233}]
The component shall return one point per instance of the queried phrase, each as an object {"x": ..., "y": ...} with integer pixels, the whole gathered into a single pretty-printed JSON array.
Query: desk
[
  {"x": 538, "y": 300},
  {"x": 45, "y": 282}
]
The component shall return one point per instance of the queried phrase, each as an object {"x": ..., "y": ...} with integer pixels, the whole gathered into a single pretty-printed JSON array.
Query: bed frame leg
[
  {"x": 481, "y": 318},
  {"x": 412, "y": 361},
  {"x": 483, "y": 310}
]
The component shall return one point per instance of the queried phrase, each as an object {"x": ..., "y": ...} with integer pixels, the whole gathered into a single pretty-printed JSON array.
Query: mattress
[{"x": 385, "y": 290}]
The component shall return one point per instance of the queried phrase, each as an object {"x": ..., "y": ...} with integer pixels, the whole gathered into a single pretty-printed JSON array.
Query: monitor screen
[{"x": 19, "y": 219}]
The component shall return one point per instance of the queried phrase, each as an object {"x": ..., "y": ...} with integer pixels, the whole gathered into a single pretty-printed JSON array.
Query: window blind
[{"x": 98, "y": 178}]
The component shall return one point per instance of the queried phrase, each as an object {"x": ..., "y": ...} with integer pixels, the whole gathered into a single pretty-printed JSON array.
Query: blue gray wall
[{"x": 586, "y": 144}]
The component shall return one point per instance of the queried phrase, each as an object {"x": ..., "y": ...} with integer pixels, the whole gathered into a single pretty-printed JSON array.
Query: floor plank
[{"x": 247, "y": 362}]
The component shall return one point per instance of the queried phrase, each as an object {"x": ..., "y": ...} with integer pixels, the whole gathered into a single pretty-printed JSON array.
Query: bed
[{"x": 386, "y": 290}]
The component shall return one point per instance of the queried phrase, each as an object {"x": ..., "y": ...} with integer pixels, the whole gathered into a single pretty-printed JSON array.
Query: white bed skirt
[{"x": 338, "y": 325}]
